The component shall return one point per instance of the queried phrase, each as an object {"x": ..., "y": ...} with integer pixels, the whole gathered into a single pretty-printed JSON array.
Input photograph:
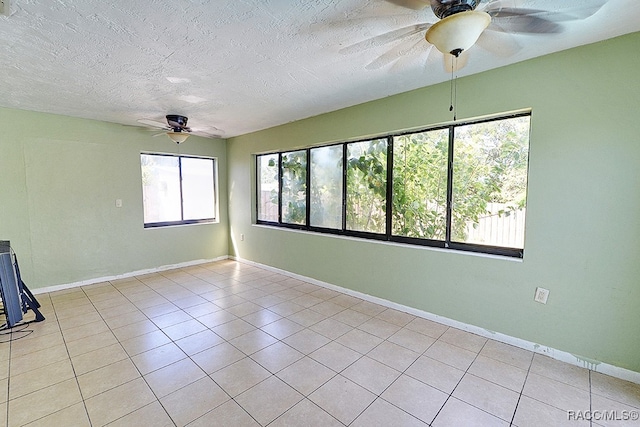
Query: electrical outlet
[
  {"x": 542, "y": 295},
  {"x": 118, "y": 203},
  {"x": 242, "y": 237}
]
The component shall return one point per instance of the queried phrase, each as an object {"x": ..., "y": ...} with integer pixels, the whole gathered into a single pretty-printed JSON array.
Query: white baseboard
[
  {"x": 596, "y": 366},
  {"x": 124, "y": 275}
]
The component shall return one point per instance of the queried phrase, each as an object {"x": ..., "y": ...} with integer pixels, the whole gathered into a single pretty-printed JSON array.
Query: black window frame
[
  {"x": 281, "y": 179},
  {"x": 388, "y": 235},
  {"x": 343, "y": 185},
  {"x": 214, "y": 166}
]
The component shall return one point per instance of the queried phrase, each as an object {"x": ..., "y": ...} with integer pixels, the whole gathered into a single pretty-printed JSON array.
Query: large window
[
  {"x": 462, "y": 186},
  {"x": 178, "y": 189}
]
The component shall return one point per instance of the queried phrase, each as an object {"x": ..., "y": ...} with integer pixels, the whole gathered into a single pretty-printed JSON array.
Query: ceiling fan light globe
[
  {"x": 178, "y": 137},
  {"x": 458, "y": 32}
]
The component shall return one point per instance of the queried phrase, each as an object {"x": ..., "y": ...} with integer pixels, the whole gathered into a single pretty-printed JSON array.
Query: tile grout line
[
  {"x": 275, "y": 374},
  {"x": 88, "y": 297},
  {"x": 9, "y": 379},
  {"x": 521, "y": 391},
  {"x": 134, "y": 365},
  {"x": 450, "y": 395},
  {"x": 75, "y": 377},
  {"x": 379, "y": 396},
  {"x": 91, "y": 422},
  {"x": 590, "y": 400},
  {"x": 172, "y": 341},
  {"x": 304, "y": 397},
  {"x": 246, "y": 356}
]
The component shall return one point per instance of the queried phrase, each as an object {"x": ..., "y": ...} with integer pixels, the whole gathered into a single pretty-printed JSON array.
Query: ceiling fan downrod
[{"x": 444, "y": 8}]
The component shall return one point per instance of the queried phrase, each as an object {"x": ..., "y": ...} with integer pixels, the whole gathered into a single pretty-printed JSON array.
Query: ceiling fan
[
  {"x": 177, "y": 130},
  {"x": 462, "y": 23}
]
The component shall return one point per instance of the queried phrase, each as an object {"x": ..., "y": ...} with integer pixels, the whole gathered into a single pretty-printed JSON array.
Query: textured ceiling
[{"x": 244, "y": 65}]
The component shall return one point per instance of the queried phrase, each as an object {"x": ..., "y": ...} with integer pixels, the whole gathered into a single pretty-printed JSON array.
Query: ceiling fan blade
[
  {"x": 207, "y": 131},
  {"x": 411, "y": 4},
  {"x": 523, "y": 21},
  {"x": 431, "y": 56},
  {"x": 575, "y": 13},
  {"x": 392, "y": 55},
  {"x": 208, "y": 135},
  {"x": 496, "y": 10},
  {"x": 499, "y": 43},
  {"x": 534, "y": 21},
  {"x": 152, "y": 123},
  {"x": 385, "y": 38}
]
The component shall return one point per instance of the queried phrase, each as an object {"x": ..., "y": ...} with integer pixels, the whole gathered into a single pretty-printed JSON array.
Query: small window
[
  {"x": 268, "y": 188},
  {"x": 367, "y": 186},
  {"x": 178, "y": 189},
  {"x": 420, "y": 184},
  {"x": 294, "y": 187},
  {"x": 326, "y": 187}
]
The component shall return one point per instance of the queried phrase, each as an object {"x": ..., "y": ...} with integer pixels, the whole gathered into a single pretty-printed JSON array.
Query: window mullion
[
  {"x": 308, "y": 190},
  {"x": 258, "y": 192},
  {"x": 447, "y": 239},
  {"x": 344, "y": 187},
  {"x": 181, "y": 191},
  {"x": 389, "y": 201},
  {"x": 215, "y": 189},
  {"x": 279, "y": 188}
]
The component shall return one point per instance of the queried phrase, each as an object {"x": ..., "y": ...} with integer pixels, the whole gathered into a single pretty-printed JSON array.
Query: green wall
[
  {"x": 60, "y": 177},
  {"x": 59, "y": 180},
  {"x": 582, "y": 229}
]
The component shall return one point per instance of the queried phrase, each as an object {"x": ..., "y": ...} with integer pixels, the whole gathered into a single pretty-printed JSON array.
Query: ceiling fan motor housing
[
  {"x": 177, "y": 122},
  {"x": 444, "y": 8}
]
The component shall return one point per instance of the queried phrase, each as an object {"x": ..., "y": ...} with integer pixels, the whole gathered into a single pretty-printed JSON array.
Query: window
[
  {"x": 177, "y": 189},
  {"x": 462, "y": 186},
  {"x": 326, "y": 187},
  {"x": 268, "y": 188},
  {"x": 420, "y": 184},
  {"x": 490, "y": 183},
  {"x": 293, "y": 172},
  {"x": 367, "y": 186}
]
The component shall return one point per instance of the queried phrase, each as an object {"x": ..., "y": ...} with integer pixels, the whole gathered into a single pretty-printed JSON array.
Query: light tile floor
[{"x": 227, "y": 344}]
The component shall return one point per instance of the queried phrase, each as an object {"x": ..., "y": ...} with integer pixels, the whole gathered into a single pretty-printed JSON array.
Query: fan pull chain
[
  {"x": 451, "y": 87},
  {"x": 454, "y": 87}
]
